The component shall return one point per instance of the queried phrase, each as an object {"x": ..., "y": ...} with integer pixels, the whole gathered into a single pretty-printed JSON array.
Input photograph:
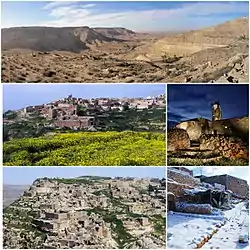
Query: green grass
[{"x": 121, "y": 236}]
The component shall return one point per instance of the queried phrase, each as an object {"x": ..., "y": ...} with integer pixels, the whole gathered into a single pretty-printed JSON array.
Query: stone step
[
  {"x": 195, "y": 147},
  {"x": 183, "y": 160},
  {"x": 194, "y": 144},
  {"x": 191, "y": 152}
]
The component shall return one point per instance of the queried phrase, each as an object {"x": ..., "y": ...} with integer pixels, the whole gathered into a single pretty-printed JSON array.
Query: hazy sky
[
  {"x": 187, "y": 101},
  {"x": 17, "y": 96},
  {"x": 26, "y": 175},
  {"x": 240, "y": 172},
  {"x": 138, "y": 16}
]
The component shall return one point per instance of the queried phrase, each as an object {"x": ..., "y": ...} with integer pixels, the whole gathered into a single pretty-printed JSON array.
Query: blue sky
[
  {"x": 188, "y": 101},
  {"x": 138, "y": 16},
  {"x": 17, "y": 96},
  {"x": 26, "y": 175},
  {"x": 240, "y": 172}
]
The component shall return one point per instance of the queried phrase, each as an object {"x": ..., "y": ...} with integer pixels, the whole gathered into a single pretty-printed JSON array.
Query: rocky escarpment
[{"x": 73, "y": 39}]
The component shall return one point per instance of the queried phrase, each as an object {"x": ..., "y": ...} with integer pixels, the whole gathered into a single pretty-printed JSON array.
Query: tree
[{"x": 125, "y": 106}]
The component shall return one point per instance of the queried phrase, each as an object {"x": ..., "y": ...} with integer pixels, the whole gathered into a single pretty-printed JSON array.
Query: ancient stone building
[
  {"x": 81, "y": 123},
  {"x": 238, "y": 186}
]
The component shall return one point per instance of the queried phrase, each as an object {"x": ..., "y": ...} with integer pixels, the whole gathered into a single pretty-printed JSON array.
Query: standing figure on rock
[{"x": 216, "y": 111}]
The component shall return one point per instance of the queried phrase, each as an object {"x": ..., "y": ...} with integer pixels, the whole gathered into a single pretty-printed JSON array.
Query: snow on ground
[
  {"x": 185, "y": 231},
  {"x": 227, "y": 236}
]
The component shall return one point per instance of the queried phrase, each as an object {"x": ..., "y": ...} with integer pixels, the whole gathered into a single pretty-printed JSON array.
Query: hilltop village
[
  {"x": 96, "y": 114},
  {"x": 88, "y": 212}
]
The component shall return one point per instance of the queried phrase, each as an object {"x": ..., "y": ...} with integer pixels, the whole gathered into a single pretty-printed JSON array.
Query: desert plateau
[{"x": 83, "y": 54}]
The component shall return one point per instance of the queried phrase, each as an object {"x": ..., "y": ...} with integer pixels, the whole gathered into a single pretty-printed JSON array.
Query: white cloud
[
  {"x": 194, "y": 14},
  {"x": 218, "y": 170},
  {"x": 77, "y": 13},
  {"x": 56, "y": 4}
]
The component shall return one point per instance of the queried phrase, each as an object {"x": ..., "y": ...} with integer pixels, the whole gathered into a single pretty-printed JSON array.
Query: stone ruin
[{"x": 227, "y": 137}]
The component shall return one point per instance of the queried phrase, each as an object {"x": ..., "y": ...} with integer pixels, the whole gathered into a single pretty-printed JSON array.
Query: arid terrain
[{"x": 83, "y": 54}]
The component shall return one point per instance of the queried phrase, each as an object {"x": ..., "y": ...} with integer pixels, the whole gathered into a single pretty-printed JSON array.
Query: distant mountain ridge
[{"x": 73, "y": 39}]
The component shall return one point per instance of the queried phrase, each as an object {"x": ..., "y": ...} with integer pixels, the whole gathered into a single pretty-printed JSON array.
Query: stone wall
[
  {"x": 176, "y": 189},
  {"x": 177, "y": 139},
  {"x": 236, "y": 185},
  {"x": 226, "y": 146},
  {"x": 182, "y": 177},
  {"x": 194, "y": 208},
  {"x": 72, "y": 124}
]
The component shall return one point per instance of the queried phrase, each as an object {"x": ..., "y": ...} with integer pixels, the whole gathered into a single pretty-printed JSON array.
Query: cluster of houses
[
  {"x": 82, "y": 113},
  {"x": 68, "y": 213}
]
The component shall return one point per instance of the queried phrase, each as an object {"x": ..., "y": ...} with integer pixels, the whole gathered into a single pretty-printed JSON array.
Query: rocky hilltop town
[
  {"x": 203, "y": 141},
  {"x": 88, "y": 212},
  {"x": 96, "y": 114}
]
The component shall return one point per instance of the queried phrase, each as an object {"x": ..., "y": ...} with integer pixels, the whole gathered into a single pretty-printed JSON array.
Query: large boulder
[
  {"x": 193, "y": 128},
  {"x": 177, "y": 139}
]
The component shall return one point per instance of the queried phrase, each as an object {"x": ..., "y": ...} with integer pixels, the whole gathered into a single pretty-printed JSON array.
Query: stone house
[
  {"x": 238, "y": 186},
  {"x": 56, "y": 215},
  {"x": 82, "y": 123},
  {"x": 144, "y": 221},
  {"x": 136, "y": 208}
]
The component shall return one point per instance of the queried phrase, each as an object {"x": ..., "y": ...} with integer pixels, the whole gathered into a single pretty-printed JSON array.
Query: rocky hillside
[
  {"x": 73, "y": 39},
  {"x": 196, "y": 40},
  {"x": 87, "y": 213}
]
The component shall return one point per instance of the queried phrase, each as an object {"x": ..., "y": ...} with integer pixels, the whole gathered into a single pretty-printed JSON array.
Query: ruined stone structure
[
  {"x": 236, "y": 185},
  {"x": 83, "y": 214},
  {"x": 178, "y": 180}
]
